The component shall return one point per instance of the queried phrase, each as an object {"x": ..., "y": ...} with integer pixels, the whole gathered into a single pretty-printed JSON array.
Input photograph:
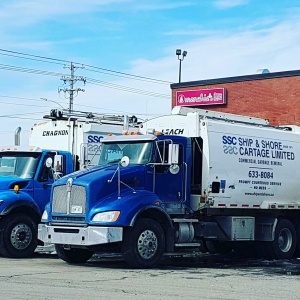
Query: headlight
[
  {"x": 45, "y": 216},
  {"x": 108, "y": 216}
]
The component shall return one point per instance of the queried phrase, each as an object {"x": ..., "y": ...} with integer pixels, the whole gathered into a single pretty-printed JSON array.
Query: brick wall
[{"x": 275, "y": 99}]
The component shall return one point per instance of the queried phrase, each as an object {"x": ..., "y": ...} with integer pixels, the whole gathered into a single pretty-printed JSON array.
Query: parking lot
[{"x": 210, "y": 277}]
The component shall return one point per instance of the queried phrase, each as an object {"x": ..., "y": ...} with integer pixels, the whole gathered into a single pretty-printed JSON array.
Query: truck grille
[{"x": 76, "y": 201}]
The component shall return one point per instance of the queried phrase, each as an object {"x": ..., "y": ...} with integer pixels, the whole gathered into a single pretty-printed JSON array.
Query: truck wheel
[
  {"x": 73, "y": 256},
  {"x": 284, "y": 244},
  {"x": 144, "y": 244},
  {"x": 18, "y": 236}
]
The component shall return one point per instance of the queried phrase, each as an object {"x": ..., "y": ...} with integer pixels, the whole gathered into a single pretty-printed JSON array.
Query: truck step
[{"x": 188, "y": 245}]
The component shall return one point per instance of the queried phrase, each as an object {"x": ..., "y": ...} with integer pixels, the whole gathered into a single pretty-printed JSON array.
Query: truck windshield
[
  {"x": 22, "y": 165},
  {"x": 138, "y": 153}
]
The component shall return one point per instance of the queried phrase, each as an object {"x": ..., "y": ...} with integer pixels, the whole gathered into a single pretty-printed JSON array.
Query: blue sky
[{"x": 112, "y": 38}]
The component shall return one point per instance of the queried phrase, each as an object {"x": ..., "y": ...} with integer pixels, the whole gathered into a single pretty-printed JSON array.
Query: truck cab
[
  {"x": 124, "y": 201},
  {"x": 25, "y": 186}
]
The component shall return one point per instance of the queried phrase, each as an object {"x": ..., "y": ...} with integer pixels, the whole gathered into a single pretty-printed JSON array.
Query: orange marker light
[{"x": 16, "y": 189}]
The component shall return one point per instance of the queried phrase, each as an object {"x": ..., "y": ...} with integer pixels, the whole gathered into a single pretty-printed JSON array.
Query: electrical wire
[
  {"x": 30, "y": 71},
  {"x": 66, "y": 104},
  {"x": 102, "y": 70},
  {"x": 126, "y": 89},
  {"x": 89, "y": 80}
]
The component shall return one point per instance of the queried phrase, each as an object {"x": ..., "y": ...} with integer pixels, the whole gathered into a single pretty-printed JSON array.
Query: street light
[
  {"x": 45, "y": 99},
  {"x": 181, "y": 58}
]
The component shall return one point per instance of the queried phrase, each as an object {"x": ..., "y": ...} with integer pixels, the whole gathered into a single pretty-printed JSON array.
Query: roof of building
[{"x": 236, "y": 79}]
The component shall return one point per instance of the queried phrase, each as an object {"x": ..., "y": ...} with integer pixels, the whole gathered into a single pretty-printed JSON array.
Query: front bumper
[{"x": 84, "y": 236}]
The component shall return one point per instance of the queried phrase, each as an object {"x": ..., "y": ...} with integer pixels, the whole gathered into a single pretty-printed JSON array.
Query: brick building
[{"x": 272, "y": 96}]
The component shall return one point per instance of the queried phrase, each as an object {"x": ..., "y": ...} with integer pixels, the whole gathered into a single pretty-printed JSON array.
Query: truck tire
[
  {"x": 73, "y": 256},
  {"x": 144, "y": 244},
  {"x": 284, "y": 244},
  {"x": 18, "y": 236}
]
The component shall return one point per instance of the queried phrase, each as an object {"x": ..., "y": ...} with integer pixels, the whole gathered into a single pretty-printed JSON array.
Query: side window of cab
[{"x": 46, "y": 173}]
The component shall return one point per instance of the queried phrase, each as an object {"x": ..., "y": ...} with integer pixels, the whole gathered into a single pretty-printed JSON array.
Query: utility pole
[{"x": 72, "y": 80}]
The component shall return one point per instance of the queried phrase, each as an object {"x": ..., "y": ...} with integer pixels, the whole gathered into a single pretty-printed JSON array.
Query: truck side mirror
[
  {"x": 58, "y": 161},
  {"x": 58, "y": 166},
  {"x": 173, "y": 154},
  {"x": 124, "y": 161}
]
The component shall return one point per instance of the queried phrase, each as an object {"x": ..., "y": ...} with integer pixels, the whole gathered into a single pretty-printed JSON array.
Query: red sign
[{"x": 201, "y": 97}]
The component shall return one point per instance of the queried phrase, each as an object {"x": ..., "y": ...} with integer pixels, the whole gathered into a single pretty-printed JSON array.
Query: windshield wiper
[{"x": 114, "y": 161}]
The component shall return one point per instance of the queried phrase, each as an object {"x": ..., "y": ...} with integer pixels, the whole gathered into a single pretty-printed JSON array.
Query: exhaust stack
[{"x": 17, "y": 136}]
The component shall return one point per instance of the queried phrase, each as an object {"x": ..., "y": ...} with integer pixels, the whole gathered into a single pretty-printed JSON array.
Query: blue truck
[
  {"x": 191, "y": 181},
  {"x": 27, "y": 173},
  {"x": 25, "y": 186}
]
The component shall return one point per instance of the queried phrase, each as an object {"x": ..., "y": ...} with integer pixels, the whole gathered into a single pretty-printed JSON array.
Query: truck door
[
  {"x": 169, "y": 185},
  {"x": 43, "y": 182}
]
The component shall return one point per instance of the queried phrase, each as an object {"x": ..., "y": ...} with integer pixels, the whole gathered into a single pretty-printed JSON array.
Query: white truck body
[
  {"x": 254, "y": 165},
  {"x": 79, "y": 135}
]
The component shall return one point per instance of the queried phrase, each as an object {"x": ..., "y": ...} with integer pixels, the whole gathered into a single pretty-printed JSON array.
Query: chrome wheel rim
[
  {"x": 21, "y": 236},
  {"x": 285, "y": 240},
  {"x": 147, "y": 244}
]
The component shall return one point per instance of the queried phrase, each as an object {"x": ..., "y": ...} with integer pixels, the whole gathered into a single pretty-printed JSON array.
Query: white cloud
[
  {"x": 31, "y": 12},
  {"x": 233, "y": 54},
  {"x": 34, "y": 11}
]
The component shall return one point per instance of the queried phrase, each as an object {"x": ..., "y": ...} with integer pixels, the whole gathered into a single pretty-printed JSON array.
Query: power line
[
  {"x": 79, "y": 105},
  {"x": 129, "y": 76},
  {"x": 28, "y": 70},
  {"x": 31, "y": 55},
  {"x": 89, "y": 80},
  {"x": 123, "y": 75},
  {"x": 17, "y": 116},
  {"x": 30, "y": 58},
  {"x": 23, "y": 104},
  {"x": 126, "y": 89}
]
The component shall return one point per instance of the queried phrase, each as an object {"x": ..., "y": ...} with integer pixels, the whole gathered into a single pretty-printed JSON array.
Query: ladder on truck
[
  {"x": 182, "y": 110},
  {"x": 216, "y": 115}
]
